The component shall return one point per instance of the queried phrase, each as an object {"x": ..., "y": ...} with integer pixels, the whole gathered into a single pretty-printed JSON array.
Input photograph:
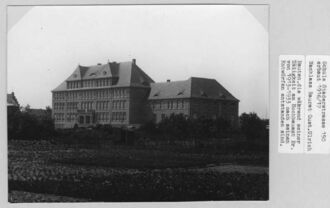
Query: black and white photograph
[{"x": 138, "y": 103}]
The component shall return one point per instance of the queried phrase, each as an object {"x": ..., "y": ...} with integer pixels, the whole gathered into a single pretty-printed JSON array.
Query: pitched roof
[
  {"x": 61, "y": 87},
  {"x": 192, "y": 88},
  {"x": 128, "y": 74},
  {"x": 37, "y": 112},
  {"x": 11, "y": 100}
]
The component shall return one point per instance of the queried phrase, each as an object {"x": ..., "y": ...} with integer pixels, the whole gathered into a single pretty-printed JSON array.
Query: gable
[{"x": 11, "y": 100}]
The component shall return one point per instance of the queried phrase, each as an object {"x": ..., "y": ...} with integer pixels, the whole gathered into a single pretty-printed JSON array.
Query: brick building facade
[{"x": 121, "y": 94}]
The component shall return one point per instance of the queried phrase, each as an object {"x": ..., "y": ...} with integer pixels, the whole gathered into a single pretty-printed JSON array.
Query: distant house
[
  {"x": 122, "y": 94},
  {"x": 12, "y": 103},
  {"x": 38, "y": 113}
]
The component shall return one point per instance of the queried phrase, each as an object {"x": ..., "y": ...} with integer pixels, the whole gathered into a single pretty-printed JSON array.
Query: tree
[
  {"x": 26, "y": 125},
  {"x": 14, "y": 117},
  {"x": 26, "y": 108},
  {"x": 253, "y": 127},
  {"x": 49, "y": 110}
]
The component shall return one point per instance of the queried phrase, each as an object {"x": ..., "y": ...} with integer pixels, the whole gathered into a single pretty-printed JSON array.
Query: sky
[{"x": 226, "y": 42}]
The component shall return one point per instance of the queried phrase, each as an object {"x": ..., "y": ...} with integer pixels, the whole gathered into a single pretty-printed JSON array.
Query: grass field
[{"x": 42, "y": 171}]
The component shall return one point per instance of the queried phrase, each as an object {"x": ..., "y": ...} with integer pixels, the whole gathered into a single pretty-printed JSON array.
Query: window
[{"x": 181, "y": 92}]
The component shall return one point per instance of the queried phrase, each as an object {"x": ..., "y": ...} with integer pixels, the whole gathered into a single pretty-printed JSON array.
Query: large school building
[{"x": 122, "y": 94}]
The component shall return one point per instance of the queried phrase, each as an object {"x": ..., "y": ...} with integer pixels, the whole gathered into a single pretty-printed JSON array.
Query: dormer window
[
  {"x": 92, "y": 75},
  {"x": 222, "y": 95},
  {"x": 181, "y": 92},
  {"x": 145, "y": 83},
  {"x": 203, "y": 94},
  {"x": 156, "y": 94},
  {"x": 104, "y": 73}
]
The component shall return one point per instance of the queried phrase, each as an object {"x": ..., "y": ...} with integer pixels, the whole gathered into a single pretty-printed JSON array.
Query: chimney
[
  {"x": 168, "y": 80},
  {"x": 134, "y": 61}
]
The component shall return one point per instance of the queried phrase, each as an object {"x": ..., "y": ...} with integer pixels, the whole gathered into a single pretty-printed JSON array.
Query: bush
[
  {"x": 83, "y": 136},
  {"x": 23, "y": 125},
  {"x": 254, "y": 128},
  {"x": 180, "y": 127}
]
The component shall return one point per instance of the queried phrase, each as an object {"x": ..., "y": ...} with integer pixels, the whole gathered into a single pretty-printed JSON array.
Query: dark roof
[
  {"x": 37, "y": 112},
  {"x": 194, "y": 87},
  {"x": 128, "y": 74},
  {"x": 11, "y": 100}
]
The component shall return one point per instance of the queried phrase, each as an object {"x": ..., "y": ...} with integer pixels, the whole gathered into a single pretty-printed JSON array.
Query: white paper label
[{"x": 303, "y": 98}]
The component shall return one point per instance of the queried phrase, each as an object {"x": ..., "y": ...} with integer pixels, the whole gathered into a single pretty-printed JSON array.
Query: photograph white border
[{"x": 295, "y": 180}]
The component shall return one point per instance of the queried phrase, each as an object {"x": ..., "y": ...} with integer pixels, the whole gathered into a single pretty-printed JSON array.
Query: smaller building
[
  {"x": 39, "y": 113},
  {"x": 194, "y": 97},
  {"x": 12, "y": 103}
]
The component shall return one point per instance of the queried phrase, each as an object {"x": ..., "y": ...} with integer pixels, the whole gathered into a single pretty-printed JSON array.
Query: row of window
[
  {"x": 102, "y": 105},
  {"x": 59, "y": 95},
  {"x": 59, "y": 116},
  {"x": 92, "y": 94},
  {"x": 168, "y": 104},
  {"x": 73, "y": 84},
  {"x": 71, "y": 117},
  {"x": 59, "y": 106},
  {"x": 73, "y": 95},
  {"x": 72, "y": 105},
  {"x": 119, "y": 104},
  {"x": 86, "y": 105},
  {"x": 91, "y": 83},
  {"x": 118, "y": 116},
  {"x": 103, "y": 117}
]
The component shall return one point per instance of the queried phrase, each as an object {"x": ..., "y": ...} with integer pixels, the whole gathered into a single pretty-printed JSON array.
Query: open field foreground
[{"x": 40, "y": 171}]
